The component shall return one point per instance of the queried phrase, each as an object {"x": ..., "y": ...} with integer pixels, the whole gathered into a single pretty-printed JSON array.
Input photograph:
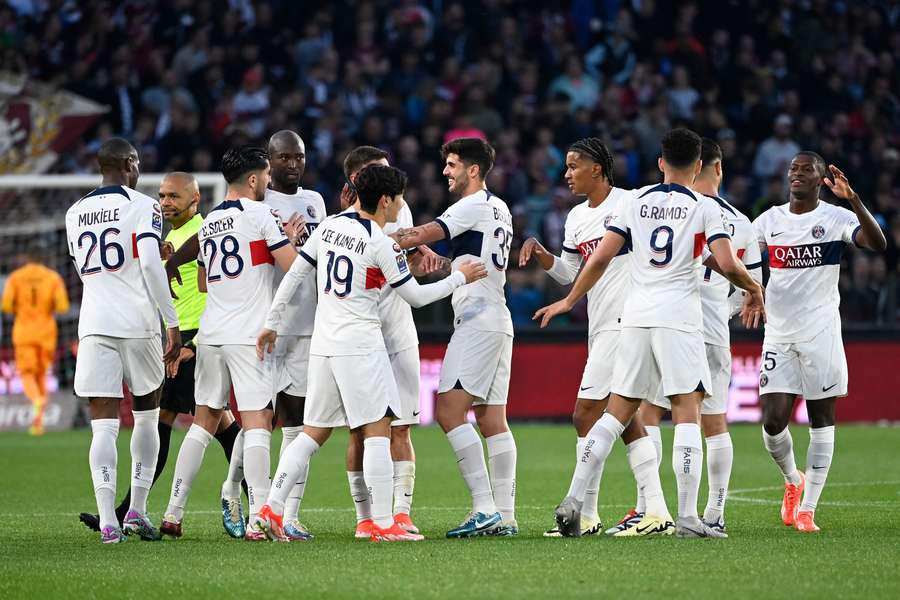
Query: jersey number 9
[{"x": 665, "y": 249}]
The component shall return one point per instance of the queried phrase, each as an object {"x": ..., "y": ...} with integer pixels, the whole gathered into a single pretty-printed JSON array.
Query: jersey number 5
[{"x": 231, "y": 265}]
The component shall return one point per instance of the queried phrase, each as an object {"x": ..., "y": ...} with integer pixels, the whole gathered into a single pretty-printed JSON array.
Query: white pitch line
[{"x": 735, "y": 495}]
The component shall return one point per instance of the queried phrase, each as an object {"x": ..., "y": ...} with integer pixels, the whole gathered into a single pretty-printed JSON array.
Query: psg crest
[
  {"x": 607, "y": 221},
  {"x": 763, "y": 380},
  {"x": 311, "y": 211},
  {"x": 818, "y": 231}
]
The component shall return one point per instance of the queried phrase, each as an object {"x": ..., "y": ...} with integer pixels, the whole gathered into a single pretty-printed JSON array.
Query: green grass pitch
[{"x": 46, "y": 552}]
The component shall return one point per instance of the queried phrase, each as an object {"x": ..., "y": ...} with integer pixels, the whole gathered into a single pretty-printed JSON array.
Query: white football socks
[
  {"x": 592, "y": 491},
  {"x": 190, "y": 457},
  {"x": 502, "y": 458},
  {"x": 404, "y": 483},
  {"x": 719, "y": 458},
  {"x": 643, "y": 462},
  {"x": 293, "y": 466},
  {"x": 144, "y": 453},
  {"x": 102, "y": 460},
  {"x": 256, "y": 466},
  {"x": 360, "y": 493},
  {"x": 687, "y": 462},
  {"x": 655, "y": 435},
  {"x": 231, "y": 488},
  {"x": 470, "y": 458},
  {"x": 597, "y": 445},
  {"x": 818, "y": 462},
  {"x": 292, "y": 505},
  {"x": 781, "y": 448},
  {"x": 378, "y": 471}
]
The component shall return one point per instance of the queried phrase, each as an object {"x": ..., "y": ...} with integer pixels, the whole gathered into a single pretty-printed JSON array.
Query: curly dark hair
[{"x": 594, "y": 149}]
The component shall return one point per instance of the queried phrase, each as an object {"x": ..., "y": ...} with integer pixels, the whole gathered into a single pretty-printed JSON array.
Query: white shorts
[
  {"x": 598, "y": 370},
  {"x": 648, "y": 355},
  {"x": 350, "y": 391},
  {"x": 103, "y": 362},
  {"x": 478, "y": 362},
  {"x": 816, "y": 369},
  {"x": 220, "y": 368},
  {"x": 719, "y": 360},
  {"x": 405, "y": 366},
  {"x": 292, "y": 352}
]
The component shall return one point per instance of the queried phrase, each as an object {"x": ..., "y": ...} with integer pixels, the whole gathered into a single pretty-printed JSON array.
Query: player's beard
[{"x": 459, "y": 186}]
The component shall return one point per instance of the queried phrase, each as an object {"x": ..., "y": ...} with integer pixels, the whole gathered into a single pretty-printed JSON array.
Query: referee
[{"x": 179, "y": 197}]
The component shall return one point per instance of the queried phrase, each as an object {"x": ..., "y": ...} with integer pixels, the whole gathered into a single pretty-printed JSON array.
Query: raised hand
[
  {"x": 838, "y": 184},
  {"x": 529, "y": 248}
]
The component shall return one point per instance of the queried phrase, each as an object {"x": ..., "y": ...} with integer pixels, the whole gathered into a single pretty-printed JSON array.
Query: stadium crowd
[{"x": 186, "y": 79}]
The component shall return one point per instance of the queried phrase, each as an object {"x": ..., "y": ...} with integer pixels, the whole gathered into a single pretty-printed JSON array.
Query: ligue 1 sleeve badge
[{"x": 818, "y": 232}]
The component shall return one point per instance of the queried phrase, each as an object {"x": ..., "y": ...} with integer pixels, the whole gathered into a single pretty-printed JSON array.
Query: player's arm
[
  {"x": 9, "y": 295},
  {"x": 158, "y": 285},
  {"x": 425, "y": 261},
  {"x": 753, "y": 312},
  {"x": 870, "y": 235},
  {"x": 562, "y": 269},
  {"x": 411, "y": 237},
  {"x": 60, "y": 297},
  {"x": 185, "y": 254},
  {"x": 593, "y": 270},
  {"x": 201, "y": 278},
  {"x": 417, "y": 295}
]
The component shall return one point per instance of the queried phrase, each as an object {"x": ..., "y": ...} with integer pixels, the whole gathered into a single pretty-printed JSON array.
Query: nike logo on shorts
[
  {"x": 825, "y": 389},
  {"x": 585, "y": 388},
  {"x": 415, "y": 413},
  {"x": 776, "y": 234}
]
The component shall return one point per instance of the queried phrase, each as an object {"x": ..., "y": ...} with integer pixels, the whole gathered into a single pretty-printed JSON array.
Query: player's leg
[
  {"x": 466, "y": 375},
  {"x": 719, "y": 461},
  {"x": 28, "y": 365},
  {"x": 406, "y": 370},
  {"x": 45, "y": 359},
  {"x": 587, "y": 412},
  {"x": 651, "y": 416},
  {"x": 359, "y": 491},
  {"x": 825, "y": 378},
  {"x": 502, "y": 459},
  {"x": 290, "y": 413}
]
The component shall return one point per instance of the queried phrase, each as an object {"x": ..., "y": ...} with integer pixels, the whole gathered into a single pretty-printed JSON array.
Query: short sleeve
[
  {"x": 621, "y": 223},
  {"x": 405, "y": 218},
  {"x": 751, "y": 256},
  {"x": 462, "y": 216},
  {"x": 714, "y": 226},
  {"x": 272, "y": 231},
  {"x": 149, "y": 219},
  {"x": 569, "y": 245},
  {"x": 850, "y": 227},
  {"x": 310, "y": 249},
  {"x": 392, "y": 262},
  {"x": 759, "y": 229}
]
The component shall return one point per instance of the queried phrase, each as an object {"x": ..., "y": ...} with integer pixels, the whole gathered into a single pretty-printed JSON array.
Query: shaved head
[
  {"x": 287, "y": 155},
  {"x": 183, "y": 180},
  {"x": 118, "y": 162}
]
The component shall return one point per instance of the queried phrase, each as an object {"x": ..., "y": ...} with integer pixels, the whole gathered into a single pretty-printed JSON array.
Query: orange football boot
[
  {"x": 790, "y": 503},
  {"x": 804, "y": 522}
]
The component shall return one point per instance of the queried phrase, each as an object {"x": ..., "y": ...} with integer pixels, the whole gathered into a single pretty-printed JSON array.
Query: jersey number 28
[{"x": 231, "y": 264}]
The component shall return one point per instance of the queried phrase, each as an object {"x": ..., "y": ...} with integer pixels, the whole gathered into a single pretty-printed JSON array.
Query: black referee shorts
[{"x": 178, "y": 392}]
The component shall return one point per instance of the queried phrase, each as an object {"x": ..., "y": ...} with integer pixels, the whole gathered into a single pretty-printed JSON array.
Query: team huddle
[{"x": 305, "y": 320}]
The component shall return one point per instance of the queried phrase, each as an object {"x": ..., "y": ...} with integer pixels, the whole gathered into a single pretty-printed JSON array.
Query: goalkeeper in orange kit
[{"x": 33, "y": 294}]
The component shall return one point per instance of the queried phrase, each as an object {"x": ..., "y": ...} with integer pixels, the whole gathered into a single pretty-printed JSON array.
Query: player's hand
[
  {"x": 348, "y": 196},
  {"x": 529, "y": 248},
  {"x": 166, "y": 250},
  {"x": 173, "y": 344},
  {"x": 295, "y": 229},
  {"x": 265, "y": 343},
  {"x": 838, "y": 184},
  {"x": 172, "y": 273},
  {"x": 431, "y": 261},
  {"x": 753, "y": 311},
  {"x": 473, "y": 270},
  {"x": 547, "y": 313},
  {"x": 184, "y": 355}
]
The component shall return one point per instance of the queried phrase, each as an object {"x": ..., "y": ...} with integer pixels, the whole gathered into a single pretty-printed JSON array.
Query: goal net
[{"x": 33, "y": 209}]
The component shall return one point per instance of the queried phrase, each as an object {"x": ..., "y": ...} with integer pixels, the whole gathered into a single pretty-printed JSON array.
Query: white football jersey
[
  {"x": 236, "y": 239},
  {"x": 102, "y": 230},
  {"x": 301, "y": 311},
  {"x": 397, "y": 324},
  {"x": 354, "y": 260},
  {"x": 479, "y": 227},
  {"x": 715, "y": 289},
  {"x": 668, "y": 226},
  {"x": 585, "y": 227},
  {"x": 805, "y": 251}
]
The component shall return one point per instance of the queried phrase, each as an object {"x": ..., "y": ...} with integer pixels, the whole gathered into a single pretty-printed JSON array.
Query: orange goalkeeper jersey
[{"x": 33, "y": 294}]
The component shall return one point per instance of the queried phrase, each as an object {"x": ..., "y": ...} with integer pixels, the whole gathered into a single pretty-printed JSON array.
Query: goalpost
[{"x": 32, "y": 216}]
